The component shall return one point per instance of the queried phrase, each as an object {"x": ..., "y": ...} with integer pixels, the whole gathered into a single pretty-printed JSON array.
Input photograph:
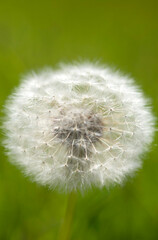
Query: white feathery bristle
[{"x": 78, "y": 126}]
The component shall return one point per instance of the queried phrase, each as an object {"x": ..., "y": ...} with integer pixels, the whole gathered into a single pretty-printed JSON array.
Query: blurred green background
[{"x": 35, "y": 34}]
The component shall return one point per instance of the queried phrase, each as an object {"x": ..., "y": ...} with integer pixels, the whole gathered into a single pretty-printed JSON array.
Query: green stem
[{"x": 65, "y": 232}]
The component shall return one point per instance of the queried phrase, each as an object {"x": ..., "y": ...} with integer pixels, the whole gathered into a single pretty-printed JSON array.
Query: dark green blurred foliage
[{"x": 35, "y": 34}]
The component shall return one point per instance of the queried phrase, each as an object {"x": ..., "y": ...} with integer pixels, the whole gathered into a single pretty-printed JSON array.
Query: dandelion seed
[{"x": 78, "y": 126}]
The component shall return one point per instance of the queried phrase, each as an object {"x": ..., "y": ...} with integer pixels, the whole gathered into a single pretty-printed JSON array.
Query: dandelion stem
[{"x": 65, "y": 232}]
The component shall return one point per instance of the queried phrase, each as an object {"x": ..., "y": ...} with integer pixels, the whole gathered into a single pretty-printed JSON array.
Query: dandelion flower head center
[{"x": 79, "y": 130}]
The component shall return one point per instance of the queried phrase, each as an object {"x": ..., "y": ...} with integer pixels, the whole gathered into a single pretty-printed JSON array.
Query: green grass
[{"x": 35, "y": 34}]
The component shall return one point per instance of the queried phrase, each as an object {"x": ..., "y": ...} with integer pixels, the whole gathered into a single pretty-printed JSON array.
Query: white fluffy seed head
[{"x": 78, "y": 126}]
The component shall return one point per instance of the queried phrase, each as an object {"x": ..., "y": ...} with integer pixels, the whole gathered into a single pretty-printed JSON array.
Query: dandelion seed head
[{"x": 78, "y": 126}]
